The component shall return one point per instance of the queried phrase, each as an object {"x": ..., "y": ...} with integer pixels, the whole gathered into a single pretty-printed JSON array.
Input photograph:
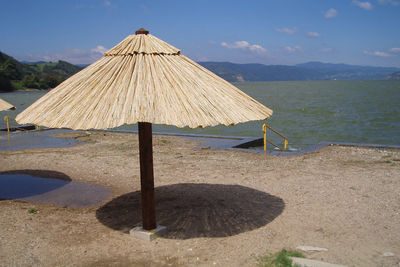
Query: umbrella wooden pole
[{"x": 147, "y": 176}]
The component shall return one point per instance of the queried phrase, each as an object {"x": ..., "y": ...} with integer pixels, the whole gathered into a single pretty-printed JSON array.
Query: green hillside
[
  {"x": 258, "y": 72},
  {"x": 15, "y": 75},
  {"x": 301, "y": 72}
]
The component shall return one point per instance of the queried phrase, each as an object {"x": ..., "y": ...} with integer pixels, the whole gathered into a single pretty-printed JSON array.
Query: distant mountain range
[
  {"x": 307, "y": 71},
  {"x": 15, "y": 75}
]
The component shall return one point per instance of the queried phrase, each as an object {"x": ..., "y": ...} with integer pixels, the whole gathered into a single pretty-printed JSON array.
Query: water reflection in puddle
[
  {"x": 48, "y": 190},
  {"x": 34, "y": 139}
]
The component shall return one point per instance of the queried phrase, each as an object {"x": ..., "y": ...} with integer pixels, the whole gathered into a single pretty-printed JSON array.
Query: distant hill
[
  {"x": 394, "y": 76},
  {"x": 348, "y": 72},
  {"x": 82, "y": 65},
  {"x": 35, "y": 62},
  {"x": 306, "y": 71},
  {"x": 15, "y": 75},
  {"x": 259, "y": 72}
]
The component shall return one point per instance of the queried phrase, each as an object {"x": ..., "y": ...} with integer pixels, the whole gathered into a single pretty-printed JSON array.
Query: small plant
[
  {"x": 352, "y": 188},
  {"x": 32, "y": 211},
  {"x": 164, "y": 141},
  {"x": 280, "y": 259}
]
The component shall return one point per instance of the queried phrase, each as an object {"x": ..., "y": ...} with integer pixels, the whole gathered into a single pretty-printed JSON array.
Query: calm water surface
[{"x": 307, "y": 112}]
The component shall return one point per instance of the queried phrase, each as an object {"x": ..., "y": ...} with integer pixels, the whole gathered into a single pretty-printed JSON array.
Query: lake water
[{"x": 306, "y": 112}]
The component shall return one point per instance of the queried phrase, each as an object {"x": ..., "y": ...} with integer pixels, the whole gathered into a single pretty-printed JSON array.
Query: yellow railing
[
  {"x": 7, "y": 119},
  {"x": 285, "y": 142}
]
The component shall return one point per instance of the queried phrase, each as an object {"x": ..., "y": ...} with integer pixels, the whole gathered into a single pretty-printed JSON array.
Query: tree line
[{"x": 15, "y": 75}]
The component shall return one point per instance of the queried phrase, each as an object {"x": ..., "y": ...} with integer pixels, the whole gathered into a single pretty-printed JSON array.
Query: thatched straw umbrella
[
  {"x": 143, "y": 80},
  {"x": 5, "y": 105}
]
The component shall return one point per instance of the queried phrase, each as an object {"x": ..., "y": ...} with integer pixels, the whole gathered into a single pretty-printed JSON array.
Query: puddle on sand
[
  {"x": 48, "y": 190},
  {"x": 34, "y": 139}
]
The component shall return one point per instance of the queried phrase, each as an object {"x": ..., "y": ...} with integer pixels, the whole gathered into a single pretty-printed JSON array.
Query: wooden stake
[{"x": 147, "y": 176}]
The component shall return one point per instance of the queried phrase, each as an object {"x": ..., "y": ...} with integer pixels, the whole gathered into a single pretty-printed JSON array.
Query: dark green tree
[
  {"x": 5, "y": 84},
  {"x": 31, "y": 81},
  {"x": 43, "y": 84},
  {"x": 9, "y": 69},
  {"x": 52, "y": 80}
]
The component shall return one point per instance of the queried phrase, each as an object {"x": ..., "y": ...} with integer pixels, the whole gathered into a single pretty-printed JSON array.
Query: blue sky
[{"x": 269, "y": 32}]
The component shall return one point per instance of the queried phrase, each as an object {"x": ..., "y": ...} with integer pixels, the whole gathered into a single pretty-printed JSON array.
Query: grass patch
[
  {"x": 383, "y": 161},
  {"x": 32, "y": 211},
  {"x": 126, "y": 146},
  {"x": 18, "y": 85},
  {"x": 280, "y": 259},
  {"x": 354, "y": 163},
  {"x": 352, "y": 188}
]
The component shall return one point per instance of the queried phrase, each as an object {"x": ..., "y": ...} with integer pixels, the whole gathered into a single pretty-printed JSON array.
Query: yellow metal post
[
  {"x": 264, "y": 128},
  {"x": 8, "y": 127},
  {"x": 8, "y": 124},
  {"x": 285, "y": 144}
]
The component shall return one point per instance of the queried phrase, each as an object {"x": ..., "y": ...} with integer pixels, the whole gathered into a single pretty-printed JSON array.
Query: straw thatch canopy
[
  {"x": 143, "y": 79},
  {"x": 5, "y": 105}
]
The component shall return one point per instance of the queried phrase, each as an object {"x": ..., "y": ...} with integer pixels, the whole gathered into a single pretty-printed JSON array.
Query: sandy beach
[{"x": 221, "y": 207}]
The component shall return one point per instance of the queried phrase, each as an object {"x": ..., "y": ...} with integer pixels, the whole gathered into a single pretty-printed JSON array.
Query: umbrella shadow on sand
[{"x": 196, "y": 210}]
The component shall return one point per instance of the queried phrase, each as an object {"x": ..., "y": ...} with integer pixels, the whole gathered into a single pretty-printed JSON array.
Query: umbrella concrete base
[{"x": 147, "y": 235}]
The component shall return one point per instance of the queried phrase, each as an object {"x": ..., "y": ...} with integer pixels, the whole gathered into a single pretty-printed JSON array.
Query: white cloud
[
  {"x": 99, "y": 49},
  {"x": 293, "y": 49},
  {"x": 74, "y": 56},
  {"x": 202, "y": 59},
  {"x": 286, "y": 30},
  {"x": 109, "y": 4},
  {"x": 313, "y": 34},
  {"x": 363, "y": 5},
  {"x": 377, "y": 53},
  {"x": 390, "y": 53},
  {"x": 145, "y": 9},
  {"x": 390, "y": 2},
  {"x": 326, "y": 50},
  {"x": 237, "y": 44},
  {"x": 331, "y": 13},
  {"x": 244, "y": 45},
  {"x": 258, "y": 48}
]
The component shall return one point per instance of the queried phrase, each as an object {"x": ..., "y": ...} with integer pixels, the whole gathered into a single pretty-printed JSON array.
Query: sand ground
[{"x": 222, "y": 207}]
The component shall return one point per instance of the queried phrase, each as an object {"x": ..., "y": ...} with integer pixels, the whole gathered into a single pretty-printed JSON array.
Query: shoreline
[
  {"x": 238, "y": 143},
  {"x": 26, "y": 90}
]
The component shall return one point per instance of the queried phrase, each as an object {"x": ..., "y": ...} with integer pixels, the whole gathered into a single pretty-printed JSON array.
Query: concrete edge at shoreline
[
  {"x": 236, "y": 143},
  {"x": 311, "y": 148}
]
